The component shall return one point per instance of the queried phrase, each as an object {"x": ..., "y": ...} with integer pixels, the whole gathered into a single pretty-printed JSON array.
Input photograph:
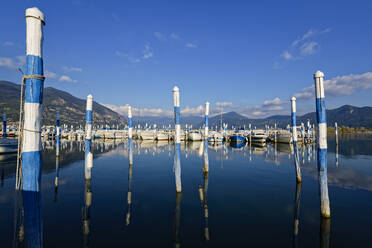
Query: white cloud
[
  {"x": 223, "y": 104},
  {"x": 65, "y": 78},
  {"x": 72, "y": 69},
  {"x": 303, "y": 46},
  {"x": 8, "y": 43},
  {"x": 287, "y": 55},
  {"x": 340, "y": 86},
  {"x": 123, "y": 110},
  {"x": 199, "y": 110},
  {"x": 12, "y": 63},
  {"x": 160, "y": 36},
  {"x": 147, "y": 52},
  {"x": 275, "y": 101},
  {"x": 190, "y": 45},
  {"x": 309, "y": 48},
  {"x": 309, "y": 34},
  {"x": 130, "y": 58},
  {"x": 174, "y": 36},
  {"x": 49, "y": 74}
]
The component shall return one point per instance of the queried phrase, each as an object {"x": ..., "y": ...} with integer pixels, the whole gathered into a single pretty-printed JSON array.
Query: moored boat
[{"x": 8, "y": 146}]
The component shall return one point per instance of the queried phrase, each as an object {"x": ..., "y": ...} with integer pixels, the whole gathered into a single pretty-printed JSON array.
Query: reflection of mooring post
[
  {"x": 336, "y": 156},
  {"x": 58, "y": 135},
  {"x": 31, "y": 148},
  {"x": 56, "y": 179},
  {"x": 130, "y": 171},
  {"x": 206, "y": 120},
  {"x": 322, "y": 144},
  {"x": 88, "y": 137},
  {"x": 203, "y": 194},
  {"x": 177, "y": 220},
  {"x": 296, "y": 214},
  {"x": 177, "y": 139},
  {"x": 4, "y": 126},
  {"x": 325, "y": 232},
  {"x": 294, "y": 137},
  {"x": 86, "y": 211}
]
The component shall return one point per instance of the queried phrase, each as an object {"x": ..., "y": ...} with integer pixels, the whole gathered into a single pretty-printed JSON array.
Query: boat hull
[{"x": 237, "y": 138}]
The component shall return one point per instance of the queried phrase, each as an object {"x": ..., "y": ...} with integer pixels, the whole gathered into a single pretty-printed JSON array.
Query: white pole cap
[
  {"x": 89, "y": 102},
  {"x": 35, "y": 13}
]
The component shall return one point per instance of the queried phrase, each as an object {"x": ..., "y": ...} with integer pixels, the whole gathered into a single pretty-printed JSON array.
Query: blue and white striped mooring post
[
  {"x": 4, "y": 126},
  {"x": 206, "y": 120},
  {"x": 31, "y": 141},
  {"x": 322, "y": 144},
  {"x": 130, "y": 123},
  {"x": 31, "y": 148},
  {"x": 88, "y": 138},
  {"x": 294, "y": 138},
  {"x": 177, "y": 138},
  {"x": 58, "y": 140}
]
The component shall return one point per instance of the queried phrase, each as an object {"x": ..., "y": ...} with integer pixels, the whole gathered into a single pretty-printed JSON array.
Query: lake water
[{"x": 248, "y": 198}]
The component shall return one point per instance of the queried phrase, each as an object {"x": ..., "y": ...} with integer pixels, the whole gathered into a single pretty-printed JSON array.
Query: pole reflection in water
[
  {"x": 177, "y": 166},
  {"x": 325, "y": 232},
  {"x": 296, "y": 214},
  {"x": 56, "y": 178},
  {"x": 203, "y": 194},
  {"x": 336, "y": 155},
  {"x": 177, "y": 220},
  {"x": 129, "y": 197},
  {"x": 86, "y": 211}
]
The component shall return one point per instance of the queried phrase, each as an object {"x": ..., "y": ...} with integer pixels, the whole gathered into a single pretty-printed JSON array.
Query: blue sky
[{"x": 248, "y": 56}]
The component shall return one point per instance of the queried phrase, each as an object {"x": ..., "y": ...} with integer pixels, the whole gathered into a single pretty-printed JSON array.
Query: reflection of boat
[
  {"x": 236, "y": 137},
  {"x": 237, "y": 145},
  {"x": 8, "y": 158},
  {"x": 284, "y": 136},
  {"x": 194, "y": 135},
  {"x": 8, "y": 146},
  {"x": 259, "y": 136},
  {"x": 285, "y": 148}
]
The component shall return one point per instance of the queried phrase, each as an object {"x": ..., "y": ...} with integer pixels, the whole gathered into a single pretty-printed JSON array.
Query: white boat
[
  {"x": 194, "y": 135},
  {"x": 8, "y": 146},
  {"x": 162, "y": 135},
  {"x": 147, "y": 135},
  {"x": 259, "y": 136},
  {"x": 215, "y": 137}
]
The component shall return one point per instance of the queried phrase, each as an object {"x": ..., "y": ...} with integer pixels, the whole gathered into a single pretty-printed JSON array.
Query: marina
[{"x": 77, "y": 172}]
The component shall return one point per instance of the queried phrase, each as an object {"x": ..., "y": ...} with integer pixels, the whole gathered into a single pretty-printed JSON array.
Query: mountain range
[
  {"x": 71, "y": 109},
  {"x": 72, "y": 112}
]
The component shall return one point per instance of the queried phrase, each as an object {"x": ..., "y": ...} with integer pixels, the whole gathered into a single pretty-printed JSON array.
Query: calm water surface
[{"x": 249, "y": 197}]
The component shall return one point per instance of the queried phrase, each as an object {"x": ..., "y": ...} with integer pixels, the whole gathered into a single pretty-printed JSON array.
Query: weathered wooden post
[
  {"x": 294, "y": 137},
  {"x": 88, "y": 137},
  {"x": 322, "y": 144},
  {"x": 177, "y": 139},
  {"x": 4, "y": 126}
]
